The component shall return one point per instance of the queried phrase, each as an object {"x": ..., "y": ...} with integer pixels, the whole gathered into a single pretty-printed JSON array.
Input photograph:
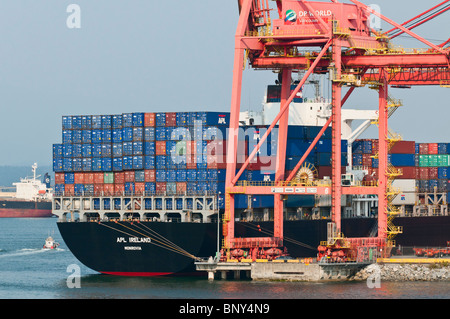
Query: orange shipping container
[
  {"x": 88, "y": 178},
  {"x": 181, "y": 187},
  {"x": 433, "y": 148},
  {"x": 149, "y": 119},
  {"x": 160, "y": 147},
  {"x": 119, "y": 177},
  {"x": 119, "y": 188},
  {"x": 149, "y": 175},
  {"x": 108, "y": 189},
  {"x": 98, "y": 189},
  {"x": 59, "y": 178},
  {"x": 139, "y": 188},
  {"x": 69, "y": 189},
  {"x": 79, "y": 178},
  {"x": 129, "y": 176},
  {"x": 98, "y": 178}
]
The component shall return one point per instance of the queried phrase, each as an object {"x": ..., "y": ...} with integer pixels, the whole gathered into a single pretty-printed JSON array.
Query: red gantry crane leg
[{"x": 339, "y": 41}]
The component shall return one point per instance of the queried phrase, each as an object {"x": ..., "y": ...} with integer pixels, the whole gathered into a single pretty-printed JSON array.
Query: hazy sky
[{"x": 155, "y": 56}]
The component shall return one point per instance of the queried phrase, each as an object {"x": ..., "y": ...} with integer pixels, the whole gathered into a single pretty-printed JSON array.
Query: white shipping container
[
  {"x": 405, "y": 198},
  {"x": 405, "y": 185}
]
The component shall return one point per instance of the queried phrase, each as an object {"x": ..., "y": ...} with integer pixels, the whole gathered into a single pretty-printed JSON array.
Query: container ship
[
  {"x": 32, "y": 198},
  {"x": 142, "y": 194}
]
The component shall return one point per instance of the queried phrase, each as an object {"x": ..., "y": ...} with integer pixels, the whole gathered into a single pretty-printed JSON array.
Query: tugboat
[{"x": 50, "y": 243}]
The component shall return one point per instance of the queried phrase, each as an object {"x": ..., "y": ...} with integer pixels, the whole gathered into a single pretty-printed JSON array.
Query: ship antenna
[{"x": 33, "y": 168}]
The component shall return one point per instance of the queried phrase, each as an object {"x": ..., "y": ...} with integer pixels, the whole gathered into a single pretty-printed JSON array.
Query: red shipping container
[
  {"x": 423, "y": 148},
  {"x": 160, "y": 147},
  {"x": 59, "y": 178},
  {"x": 98, "y": 178},
  {"x": 139, "y": 188},
  {"x": 98, "y": 189},
  {"x": 88, "y": 178},
  {"x": 108, "y": 189},
  {"x": 417, "y": 169},
  {"x": 374, "y": 146},
  {"x": 432, "y": 172},
  {"x": 367, "y": 160},
  {"x": 181, "y": 187},
  {"x": 119, "y": 188},
  {"x": 403, "y": 147},
  {"x": 149, "y": 175},
  {"x": 432, "y": 148},
  {"x": 408, "y": 172},
  {"x": 128, "y": 176},
  {"x": 160, "y": 187},
  {"x": 69, "y": 189},
  {"x": 119, "y": 177},
  {"x": 79, "y": 178},
  {"x": 149, "y": 119},
  {"x": 423, "y": 173},
  {"x": 171, "y": 119}
]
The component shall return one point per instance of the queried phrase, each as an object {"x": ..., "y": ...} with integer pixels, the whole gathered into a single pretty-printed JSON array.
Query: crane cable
[
  {"x": 166, "y": 244},
  {"x": 413, "y": 23}
]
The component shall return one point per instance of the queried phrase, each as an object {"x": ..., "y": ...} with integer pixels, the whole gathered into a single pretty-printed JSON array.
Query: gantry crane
[{"x": 334, "y": 38}]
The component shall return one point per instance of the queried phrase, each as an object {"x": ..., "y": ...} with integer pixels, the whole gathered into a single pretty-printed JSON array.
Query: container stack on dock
[{"x": 424, "y": 166}]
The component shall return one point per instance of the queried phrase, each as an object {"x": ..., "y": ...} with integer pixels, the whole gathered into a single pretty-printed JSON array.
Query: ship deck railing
[{"x": 126, "y": 193}]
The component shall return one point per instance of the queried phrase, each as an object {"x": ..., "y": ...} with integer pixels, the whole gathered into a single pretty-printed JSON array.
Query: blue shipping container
[
  {"x": 149, "y": 133},
  {"x": 97, "y": 136},
  {"x": 67, "y": 164},
  {"x": 77, "y": 136},
  {"x": 138, "y": 162},
  {"x": 138, "y": 119},
  {"x": 67, "y": 122},
  {"x": 96, "y": 121},
  {"x": 58, "y": 165},
  {"x": 77, "y": 150},
  {"x": 86, "y": 122},
  {"x": 117, "y": 164},
  {"x": 116, "y": 121},
  {"x": 117, "y": 150},
  {"x": 127, "y": 120},
  {"x": 58, "y": 150},
  {"x": 106, "y": 122},
  {"x": 96, "y": 150},
  {"x": 127, "y": 134},
  {"x": 86, "y": 136},
  {"x": 107, "y": 164},
  {"x": 117, "y": 135},
  {"x": 87, "y": 164},
  {"x": 149, "y": 162},
  {"x": 67, "y": 136}
]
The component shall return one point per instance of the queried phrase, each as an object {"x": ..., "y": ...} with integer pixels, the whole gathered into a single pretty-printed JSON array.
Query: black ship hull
[{"x": 162, "y": 248}]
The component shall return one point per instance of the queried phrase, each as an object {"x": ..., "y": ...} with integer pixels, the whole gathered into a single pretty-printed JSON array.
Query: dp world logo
[{"x": 291, "y": 16}]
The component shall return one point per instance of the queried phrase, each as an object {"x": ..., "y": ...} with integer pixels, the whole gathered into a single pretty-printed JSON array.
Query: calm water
[{"x": 29, "y": 272}]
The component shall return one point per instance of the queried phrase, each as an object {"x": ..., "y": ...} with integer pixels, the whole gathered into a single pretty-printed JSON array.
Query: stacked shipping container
[
  {"x": 172, "y": 153},
  {"x": 424, "y": 166}
]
